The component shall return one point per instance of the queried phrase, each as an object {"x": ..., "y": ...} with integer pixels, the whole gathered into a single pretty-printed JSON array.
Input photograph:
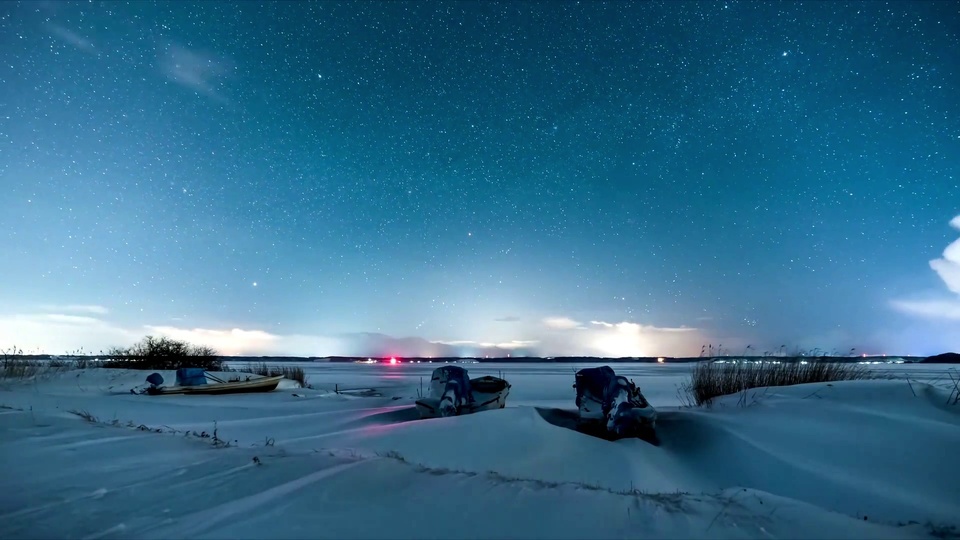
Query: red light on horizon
[{"x": 394, "y": 361}]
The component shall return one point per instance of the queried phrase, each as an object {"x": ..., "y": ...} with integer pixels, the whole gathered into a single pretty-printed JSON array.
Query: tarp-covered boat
[
  {"x": 613, "y": 407},
  {"x": 194, "y": 381},
  {"x": 453, "y": 393}
]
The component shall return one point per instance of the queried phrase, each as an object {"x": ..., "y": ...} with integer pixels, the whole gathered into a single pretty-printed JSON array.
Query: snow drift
[{"x": 863, "y": 459}]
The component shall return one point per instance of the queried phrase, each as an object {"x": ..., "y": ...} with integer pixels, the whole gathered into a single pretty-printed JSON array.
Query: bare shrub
[
  {"x": 164, "y": 353},
  {"x": 713, "y": 379}
]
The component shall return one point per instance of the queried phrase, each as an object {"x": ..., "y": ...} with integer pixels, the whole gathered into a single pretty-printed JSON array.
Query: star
[{"x": 595, "y": 163}]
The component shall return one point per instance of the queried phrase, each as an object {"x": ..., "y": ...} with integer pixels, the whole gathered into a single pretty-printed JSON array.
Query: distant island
[{"x": 945, "y": 358}]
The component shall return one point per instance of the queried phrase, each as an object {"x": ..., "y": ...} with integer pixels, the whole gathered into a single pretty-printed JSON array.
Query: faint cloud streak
[
  {"x": 485, "y": 348},
  {"x": 934, "y": 309},
  {"x": 68, "y": 319},
  {"x": 562, "y": 323},
  {"x": 77, "y": 308},
  {"x": 72, "y": 38},
  {"x": 194, "y": 70}
]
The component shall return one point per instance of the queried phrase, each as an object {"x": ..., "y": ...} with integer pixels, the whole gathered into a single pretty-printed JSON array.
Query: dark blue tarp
[
  {"x": 191, "y": 377},
  {"x": 599, "y": 382}
]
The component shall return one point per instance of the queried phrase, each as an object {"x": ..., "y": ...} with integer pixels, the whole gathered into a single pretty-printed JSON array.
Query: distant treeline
[
  {"x": 946, "y": 358},
  {"x": 576, "y": 359}
]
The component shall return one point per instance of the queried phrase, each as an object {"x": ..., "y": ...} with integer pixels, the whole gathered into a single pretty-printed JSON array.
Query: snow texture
[{"x": 84, "y": 458}]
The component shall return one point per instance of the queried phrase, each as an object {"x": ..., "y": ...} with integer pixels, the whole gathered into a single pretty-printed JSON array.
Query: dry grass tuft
[
  {"x": 713, "y": 379},
  {"x": 85, "y": 415},
  {"x": 293, "y": 373},
  {"x": 15, "y": 365}
]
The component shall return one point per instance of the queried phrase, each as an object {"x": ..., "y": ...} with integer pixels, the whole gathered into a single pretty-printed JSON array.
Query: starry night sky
[{"x": 553, "y": 177}]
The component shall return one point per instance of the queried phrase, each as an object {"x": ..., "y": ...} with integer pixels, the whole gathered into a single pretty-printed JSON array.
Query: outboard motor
[
  {"x": 451, "y": 385},
  {"x": 612, "y": 404},
  {"x": 629, "y": 414},
  {"x": 594, "y": 387},
  {"x": 155, "y": 379}
]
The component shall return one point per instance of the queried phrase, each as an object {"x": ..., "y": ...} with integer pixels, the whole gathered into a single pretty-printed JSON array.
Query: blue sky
[{"x": 613, "y": 179}]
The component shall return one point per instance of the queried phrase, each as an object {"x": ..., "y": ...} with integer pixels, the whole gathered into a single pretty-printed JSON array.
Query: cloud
[
  {"x": 633, "y": 339},
  {"x": 561, "y": 323},
  {"x": 514, "y": 347},
  {"x": 228, "y": 342},
  {"x": 947, "y": 268},
  {"x": 564, "y": 336},
  {"x": 77, "y": 308},
  {"x": 194, "y": 70},
  {"x": 72, "y": 38},
  {"x": 382, "y": 345},
  {"x": 58, "y": 333},
  {"x": 934, "y": 309},
  {"x": 68, "y": 319},
  {"x": 88, "y": 328},
  {"x": 517, "y": 344},
  {"x": 508, "y": 318},
  {"x": 456, "y": 343}
]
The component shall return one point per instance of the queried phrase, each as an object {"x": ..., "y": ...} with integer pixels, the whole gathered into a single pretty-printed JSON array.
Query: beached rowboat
[{"x": 194, "y": 381}]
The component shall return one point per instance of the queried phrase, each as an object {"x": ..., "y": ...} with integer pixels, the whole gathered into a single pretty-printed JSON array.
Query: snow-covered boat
[
  {"x": 194, "y": 381},
  {"x": 612, "y": 406},
  {"x": 453, "y": 393}
]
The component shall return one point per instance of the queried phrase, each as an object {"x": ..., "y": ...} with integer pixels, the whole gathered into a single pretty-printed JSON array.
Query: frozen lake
[
  {"x": 861, "y": 459},
  {"x": 551, "y": 384}
]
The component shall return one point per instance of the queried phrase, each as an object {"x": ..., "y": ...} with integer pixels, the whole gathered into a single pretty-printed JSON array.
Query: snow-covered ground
[{"x": 865, "y": 459}]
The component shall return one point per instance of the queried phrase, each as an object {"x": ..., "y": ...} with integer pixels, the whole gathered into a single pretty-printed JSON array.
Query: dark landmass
[
  {"x": 575, "y": 359},
  {"x": 942, "y": 358},
  {"x": 945, "y": 358}
]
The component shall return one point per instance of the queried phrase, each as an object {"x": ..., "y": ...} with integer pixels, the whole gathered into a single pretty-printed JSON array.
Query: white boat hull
[{"x": 433, "y": 407}]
